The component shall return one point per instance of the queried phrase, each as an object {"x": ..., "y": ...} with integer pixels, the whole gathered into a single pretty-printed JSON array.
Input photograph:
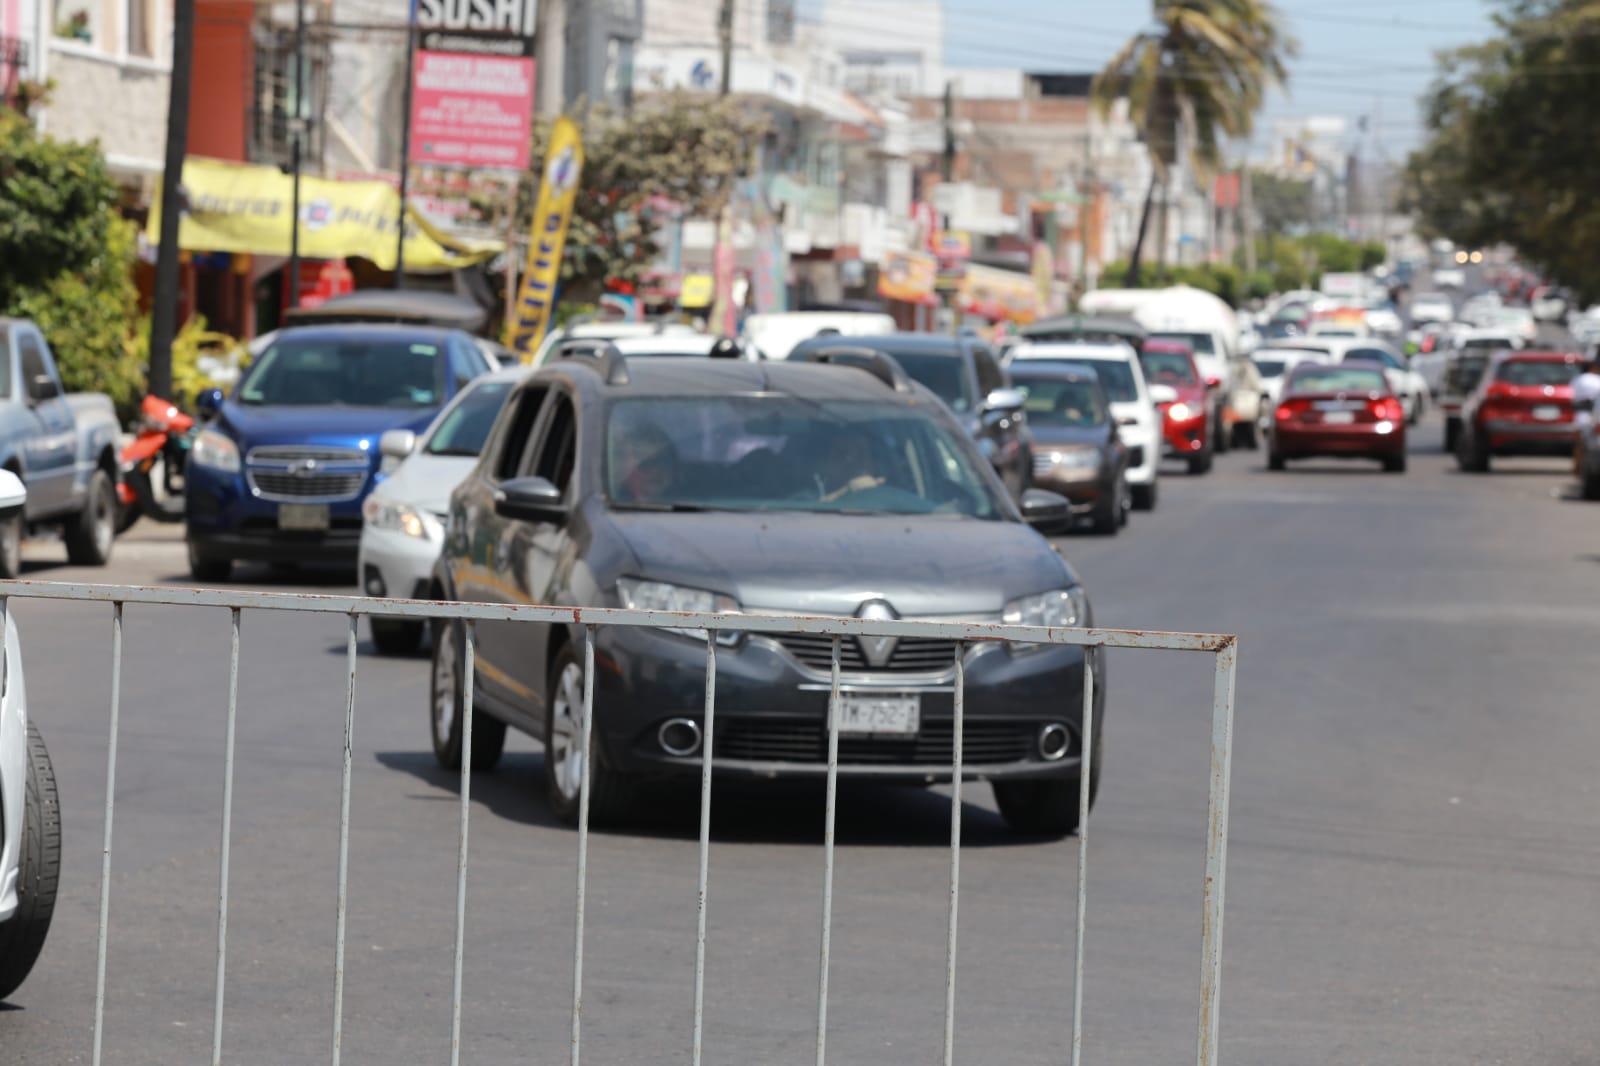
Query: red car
[
  {"x": 1342, "y": 409},
  {"x": 1522, "y": 406},
  {"x": 1184, "y": 426}
]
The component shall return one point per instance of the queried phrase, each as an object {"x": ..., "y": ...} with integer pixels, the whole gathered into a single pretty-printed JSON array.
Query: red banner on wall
[{"x": 472, "y": 110}]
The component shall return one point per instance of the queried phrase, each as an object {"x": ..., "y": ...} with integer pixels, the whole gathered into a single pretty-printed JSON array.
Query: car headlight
[
  {"x": 1058, "y": 607},
  {"x": 1073, "y": 464},
  {"x": 640, "y": 595},
  {"x": 216, "y": 451},
  {"x": 1179, "y": 412},
  {"x": 396, "y": 517}
]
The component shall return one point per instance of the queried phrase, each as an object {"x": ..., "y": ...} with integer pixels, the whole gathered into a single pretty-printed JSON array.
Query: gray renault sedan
[{"x": 712, "y": 485}]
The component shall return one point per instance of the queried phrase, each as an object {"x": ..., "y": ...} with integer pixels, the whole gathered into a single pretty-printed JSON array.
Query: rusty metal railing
[{"x": 963, "y": 634}]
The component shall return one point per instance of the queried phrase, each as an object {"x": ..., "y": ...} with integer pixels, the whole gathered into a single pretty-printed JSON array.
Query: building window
[
  {"x": 276, "y": 105},
  {"x": 77, "y": 20},
  {"x": 139, "y": 28}
]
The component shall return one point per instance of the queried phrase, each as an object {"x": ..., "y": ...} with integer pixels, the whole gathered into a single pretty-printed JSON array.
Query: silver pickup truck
[{"x": 64, "y": 447}]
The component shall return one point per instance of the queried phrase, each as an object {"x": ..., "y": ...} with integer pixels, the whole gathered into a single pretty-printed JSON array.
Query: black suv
[
  {"x": 771, "y": 488},
  {"x": 967, "y": 377}
]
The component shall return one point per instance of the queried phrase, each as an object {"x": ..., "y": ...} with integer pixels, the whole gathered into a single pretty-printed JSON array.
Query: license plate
[
  {"x": 898, "y": 715},
  {"x": 1338, "y": 418},
  {"x": 1547, "y": 413},
  {"x": 303, "y": 516}
]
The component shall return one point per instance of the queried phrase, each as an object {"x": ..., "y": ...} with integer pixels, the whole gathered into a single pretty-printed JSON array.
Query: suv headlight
[
  {"x": 640, "y": 595},
  {"x": 1073, "y": 464},
  {"x": 1058, "y": 607},
  {"x": 396, "y": 517},
  {"x": 216, "y": 451}
]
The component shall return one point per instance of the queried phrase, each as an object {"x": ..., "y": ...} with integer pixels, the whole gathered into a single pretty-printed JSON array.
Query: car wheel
[
  {"x": 1452, "y": 433},
  {"x": 22, "y": 935},
  {"x": 1590, "y": 480},
  {"x": 1395, "y": 464},
  {"x": 1144, "y": 497},
  {"x": 1219, "y": 434},
  {"x": 1124, "y": 504},
  {"x": 11, "y": 547},
  {"x": 1106, "y": 518},
  {"x": 1471, "y": 457},
  {"x": 395, "y": 637},
  {"x": 92, "y": 531},
  {"x": 1244, "y": 435},
  {"x": 563, "y": 754},
  {"x": 1046, "y": 808},
  {"x": 204, "y": 566},
  {"x": 447, "y": 700},
  {"x": 1200, "y": 464},
  {"x": 1274, "y": 459},
  {"x": 1418, "y": 405}
]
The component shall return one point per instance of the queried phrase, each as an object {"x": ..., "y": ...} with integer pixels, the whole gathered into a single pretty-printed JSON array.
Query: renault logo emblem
[{"x": 877, "y": 650}]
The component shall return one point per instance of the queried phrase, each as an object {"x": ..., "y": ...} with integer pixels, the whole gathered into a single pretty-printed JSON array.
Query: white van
[
  {"x": 776, "y": 333},
  {"x": 1209, "y": 326}
]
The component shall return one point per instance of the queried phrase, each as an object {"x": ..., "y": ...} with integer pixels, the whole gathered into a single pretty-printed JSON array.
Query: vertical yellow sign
[{"x": 552, "y": 212}]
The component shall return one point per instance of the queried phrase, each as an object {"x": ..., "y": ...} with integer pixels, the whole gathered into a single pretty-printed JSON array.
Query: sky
[{"x": 1357, "y": 57}]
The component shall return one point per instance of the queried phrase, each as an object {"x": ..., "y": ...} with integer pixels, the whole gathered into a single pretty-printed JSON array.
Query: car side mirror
[
  {"x": 13, "y": 494},
  {"x": 397, "y": 443},
  {"x": 42, "y": 387},
  {"x": 1006, "y": 401},
  {"x": 208, "y": 402},
  {"x": 1046, "y": 511},
  {"x": 529, "y": 499},
  {"x": 1160, "y": 394}
]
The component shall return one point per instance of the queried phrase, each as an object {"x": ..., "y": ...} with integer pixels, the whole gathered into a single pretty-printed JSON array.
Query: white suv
[
  {"x": 1138, "y": 422},
  {"x": 30, "y": 818}
]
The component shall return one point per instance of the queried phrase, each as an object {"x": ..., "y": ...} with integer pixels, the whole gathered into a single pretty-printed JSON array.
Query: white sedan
[
  {"x": 403, "y": 518},
  {"x": 30, "y": 834}
]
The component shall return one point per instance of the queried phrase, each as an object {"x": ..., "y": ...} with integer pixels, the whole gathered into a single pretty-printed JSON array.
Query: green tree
[
  {"x": 1203, "y": 69},
  {"x": 678, "y": 148},
  {"x": 1511, "y": 146},
  {"x": 66, "y": 258},
  {"x": 1282, "y": 203}
]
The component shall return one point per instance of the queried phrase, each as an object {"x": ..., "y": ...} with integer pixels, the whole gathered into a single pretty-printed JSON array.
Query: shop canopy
[{"x": 239, "y": 207}]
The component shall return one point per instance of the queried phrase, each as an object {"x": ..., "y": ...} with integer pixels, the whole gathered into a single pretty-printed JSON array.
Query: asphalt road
[{"x": 1414, "y": 868}]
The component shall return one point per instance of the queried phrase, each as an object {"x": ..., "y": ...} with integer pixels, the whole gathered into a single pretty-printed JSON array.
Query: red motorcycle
[{"x": 153, "y": 464}]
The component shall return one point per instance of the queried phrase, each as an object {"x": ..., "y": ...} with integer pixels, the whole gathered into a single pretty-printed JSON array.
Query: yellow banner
[
  {"x": 552, "y": 211},
  {"x": 237, "y": 207}
]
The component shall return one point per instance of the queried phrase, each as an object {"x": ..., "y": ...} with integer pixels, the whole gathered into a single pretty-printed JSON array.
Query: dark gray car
[{"x": 692, "y": 484}]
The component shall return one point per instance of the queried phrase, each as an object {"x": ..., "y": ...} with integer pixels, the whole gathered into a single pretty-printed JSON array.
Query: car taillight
[
  {"x": 1386, "y": 408},
  {"x": 1499, "y": 390},
  {"x": 1290, "y": 408}
]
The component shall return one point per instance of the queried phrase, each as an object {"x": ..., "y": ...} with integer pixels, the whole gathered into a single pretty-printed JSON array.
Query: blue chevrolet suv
[{"x": 279, "y": 472}]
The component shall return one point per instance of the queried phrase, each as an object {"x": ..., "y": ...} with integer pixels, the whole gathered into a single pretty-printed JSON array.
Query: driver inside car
[
  {"x": 648, "y": 463},
  {"x": 848, "y": 466}
]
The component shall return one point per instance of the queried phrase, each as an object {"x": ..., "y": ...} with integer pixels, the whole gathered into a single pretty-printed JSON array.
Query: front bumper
[
  {"x": 1184, "y": 438},
  {"x": 772, "y": 711},
  {"x": 1144, "y": 453},
  {"x": 400, "y": 564},
  {"x": 225, "y": 519}
]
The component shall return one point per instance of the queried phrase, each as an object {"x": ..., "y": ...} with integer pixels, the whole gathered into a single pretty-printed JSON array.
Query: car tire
[
  {"x": 610, "y": 793},
  {"x": 91, "y": 532},
  {"x": 392, "y": 636},
  {"x": 1144, "y": 497},
  {"x": 1046, "y": 808},
  {"x": 447, "y": 700},
  {"x": 1452, "y": 434},
  {"x": 1244, "y": 436},
  {"x": 204, "y": 566},
  {"x": 1471, "y": 457},
  {"x": 1200, "y": 464},
  {"x": 1394, "y": 464},
  {"x": 11, "y": 547},
  {"x": 1418, "y": 406},
  {"x": 1219, "y": 434},
  {"x": 1106, "y": 518},
  {"x": 1275, "y": 459},
  {"x": 22, "y": 935},
  {"x": 1590, "y": 480}
]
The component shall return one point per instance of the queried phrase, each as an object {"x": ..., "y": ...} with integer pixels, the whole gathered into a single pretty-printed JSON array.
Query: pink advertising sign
[{"x": 472, "y": 110}]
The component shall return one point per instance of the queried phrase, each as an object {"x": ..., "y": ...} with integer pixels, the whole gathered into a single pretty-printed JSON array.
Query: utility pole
[
  {"x": 1247, "y": 216},
  {"x": 164, "y": 315},
  {"x": 297, "y": 125},
  {"x": 405, "y": 146},
  {"x": 947, "y": 172},
  {"x": 551, "y": 46},
  {"x": 725, "y": 39},
  {"x": 1086, "y": 200}
]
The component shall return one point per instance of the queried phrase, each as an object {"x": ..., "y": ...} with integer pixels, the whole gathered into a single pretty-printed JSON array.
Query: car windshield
[
  {"x": 1200, "y": 343},
  {"x": 324, "y": 371},
  {"x": 1374, "y": 355},
  {"x": 788, "y": 453},
  {"x": 943, "y": 373},
  {"x": 1335, "y": 379},
  {"x": 466, "y": 426},
  {"x": 1168, "y": 368},
  {"x": 1117, "y": 377},
  {"x": 1536, "y": 372},
  {"x": 1061, "y": 402},
  {"x": 1269, "y": 368}
]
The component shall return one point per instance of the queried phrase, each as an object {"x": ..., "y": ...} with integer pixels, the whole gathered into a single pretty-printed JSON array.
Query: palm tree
[{"x": 1204, "y": 68}]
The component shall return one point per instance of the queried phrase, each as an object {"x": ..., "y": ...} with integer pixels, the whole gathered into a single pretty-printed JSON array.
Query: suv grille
[
  {"x": 295, "y": 472},
  {"x": 806, "y": 741},
  {"x": 912, "y": 655}
]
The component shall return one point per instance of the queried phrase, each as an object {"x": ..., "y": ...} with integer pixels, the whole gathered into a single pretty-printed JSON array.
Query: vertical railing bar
[
  {"x": 955, "y": 856},
  {"x": 827, "y": 859},
  {"x": 583, "y": 839},
  {"x": 5, "y": 638},
  {"x": 344, "y": 841},
  {"x": 467, "y": 683},
  {"x": 1215, "y": 888},
  {"x": 1085, "y": 772},
  {"x": 705, "y": 846},
  {"x": 227, "y": 837},
  {"x": 105, "y": 848}
]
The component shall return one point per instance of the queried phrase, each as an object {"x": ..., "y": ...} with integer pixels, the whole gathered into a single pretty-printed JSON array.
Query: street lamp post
[{"x": 297, "y": 124}]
